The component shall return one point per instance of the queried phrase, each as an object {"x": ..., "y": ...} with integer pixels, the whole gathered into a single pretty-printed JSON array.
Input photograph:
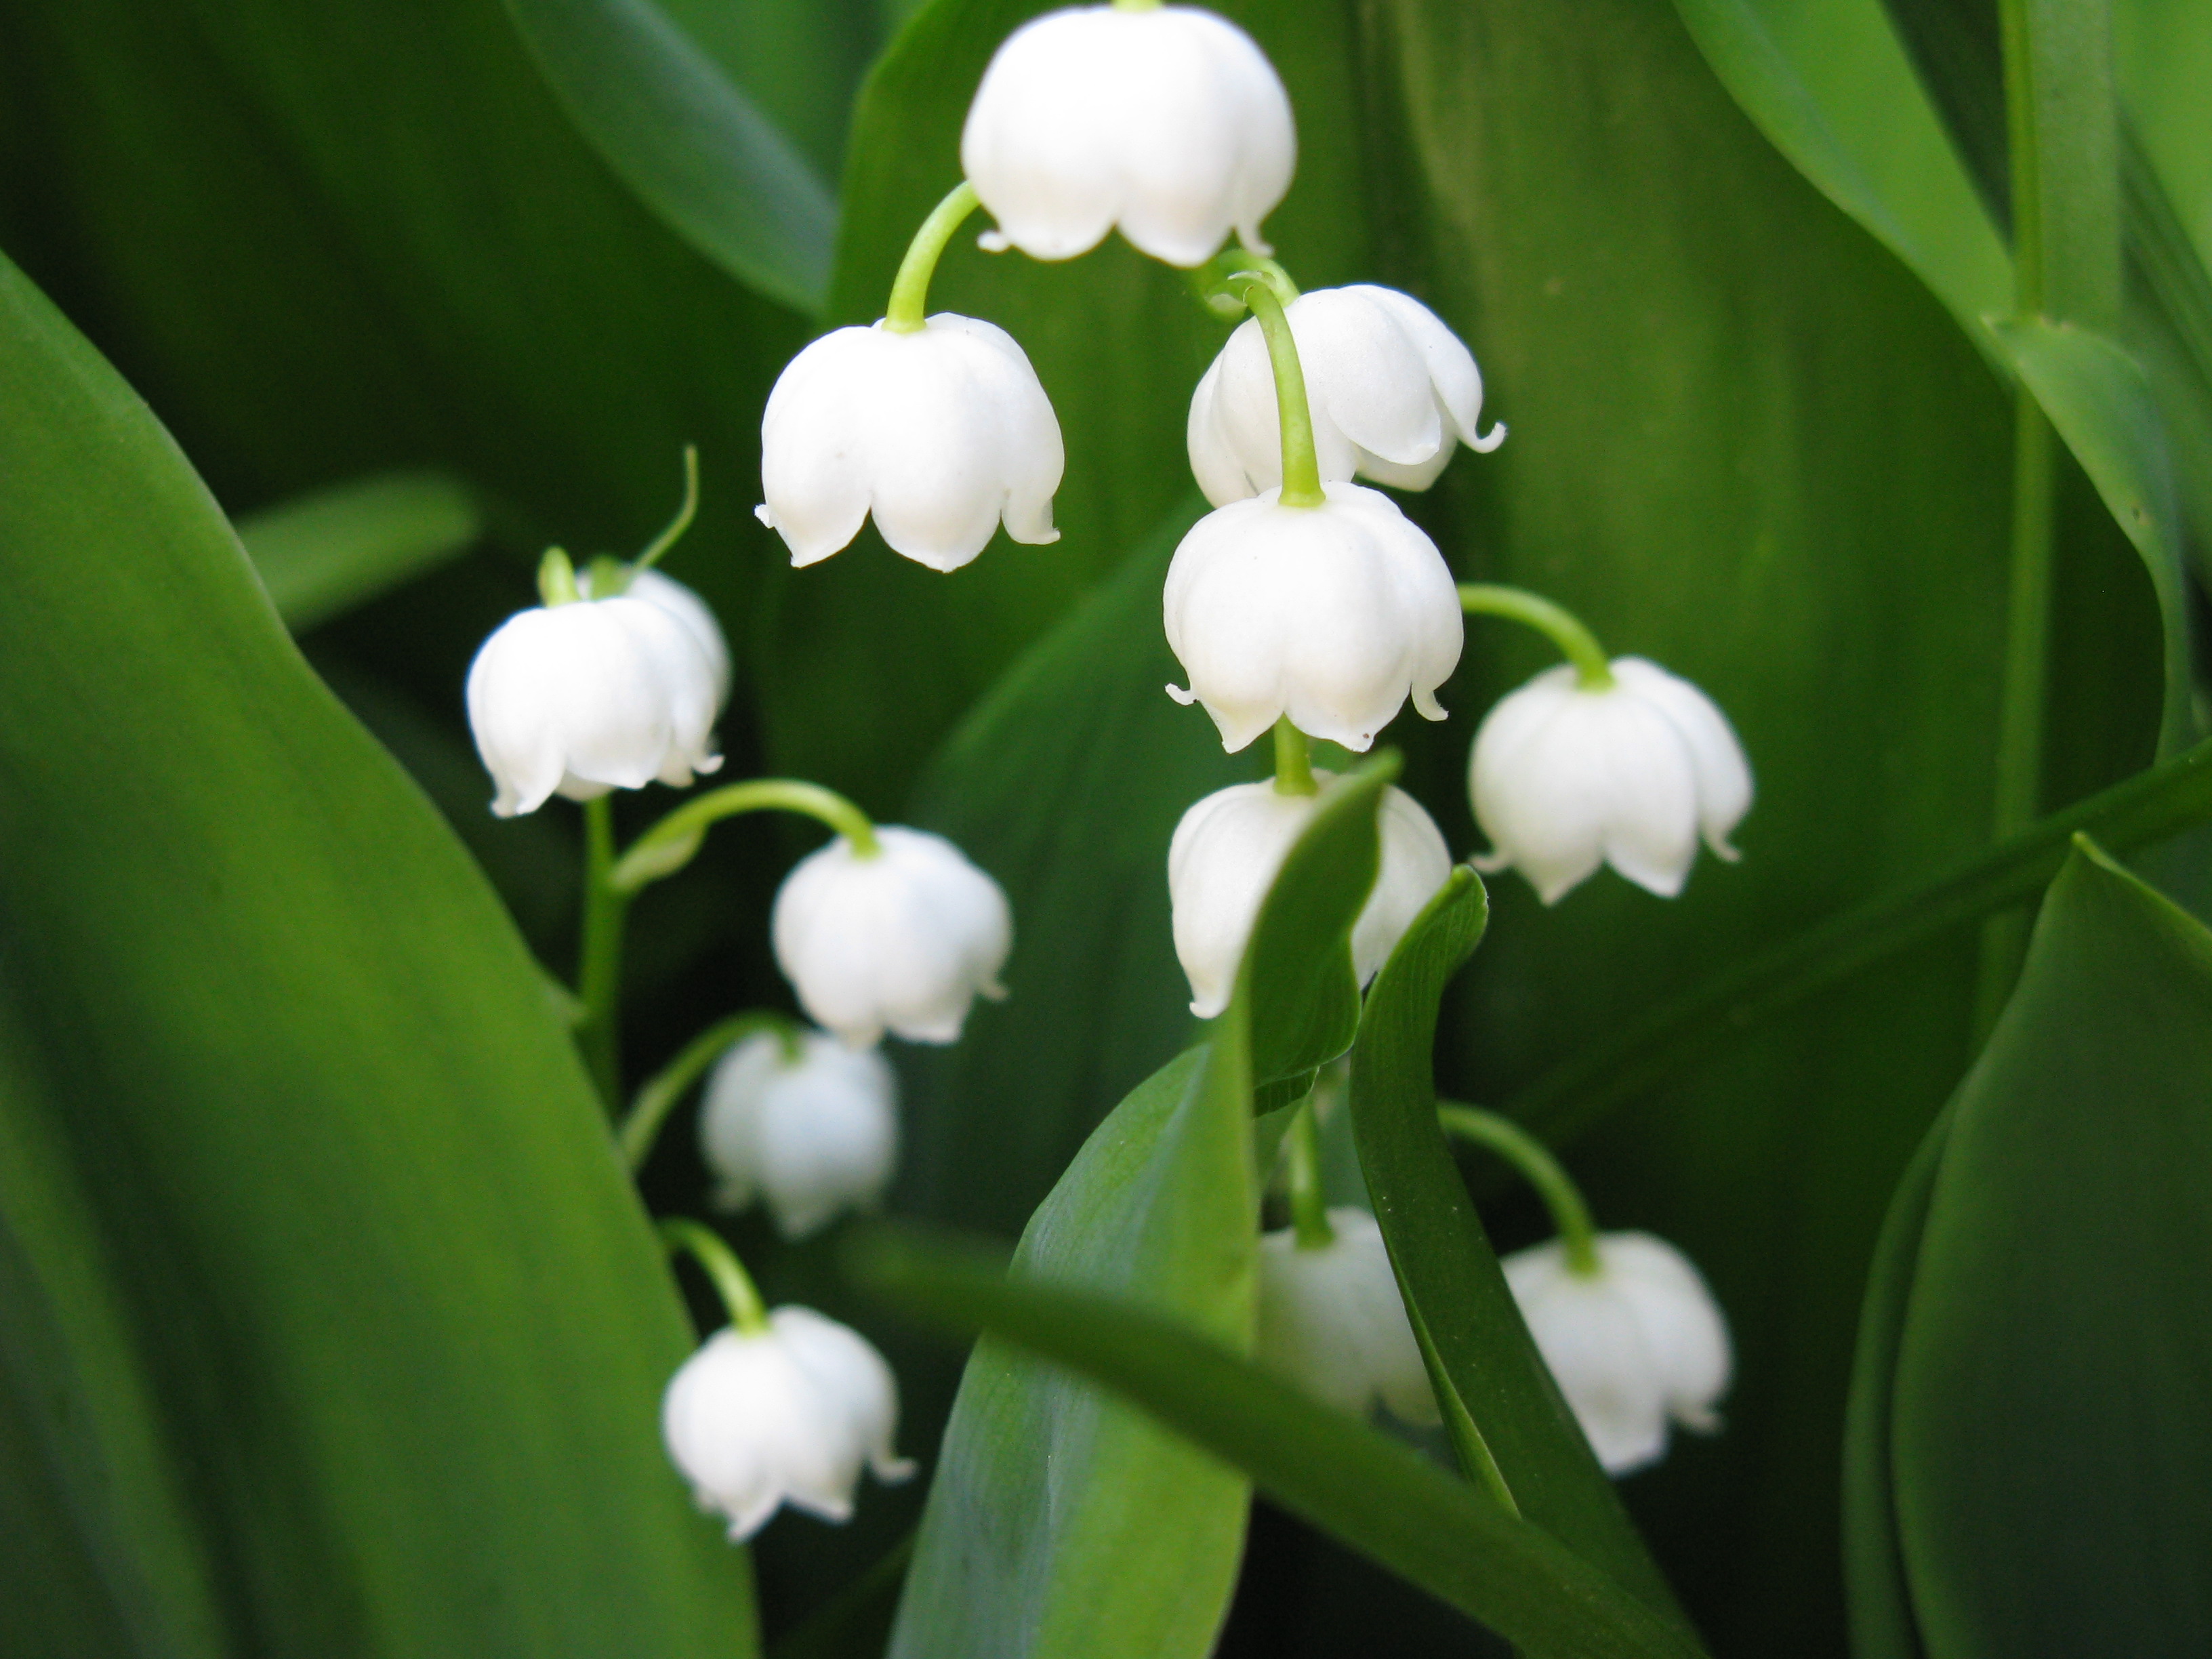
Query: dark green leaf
[
  {"x": 309, "y": 1116},
  {"x": 1392, "y": 1504},
  {"x": 665, "y": 117},
  {"x": 320, "y": 555}
]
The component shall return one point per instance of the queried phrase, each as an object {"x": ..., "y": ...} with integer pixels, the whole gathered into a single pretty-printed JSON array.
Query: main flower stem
[
  {"x": 650, "y": 1108},
  {"x": 1534, "y": 1160},
  {"x": 1293, "y": 761},
  {"x": 1300, "y": 469},
  {"x": 1555, "y": 621},
  {"x": 668, "y": 846},
  {"x": 599, "y": 969},
  {"x": 906, "y": 313},
  {"x": 732, "y": 1283},
  {"x": 1309, "y": 1203}
]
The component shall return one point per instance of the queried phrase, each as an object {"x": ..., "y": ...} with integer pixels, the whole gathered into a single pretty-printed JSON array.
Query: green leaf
[
  {"x": 1378, "y": 1497},
  {"x": 2052, "y": 1399},
  {"x": 378, "y": 1332},
  {"x": 694, "y": 146},
  {"x": 320, "y": 555},
  {"x": 1484, "y": 1364}
]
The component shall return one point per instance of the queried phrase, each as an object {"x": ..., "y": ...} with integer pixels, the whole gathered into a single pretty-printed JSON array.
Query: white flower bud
[
  {"x": 1564, "y": 778},
  {"x": 905, "y": 940},
  {"x": 667, "y": 593},
  {"x": 815, "y": 1133},
  {"x": 789, "y": 1415},
  {"x": 595, "y": 694},
  {"x": 1637, "y": 1343},
  {"x": 1225, "y": 855},
  {"x": 1332, "y": 615},
  {"x": 1331, "y": 1320},
  {"x": 942, "y": 433},
  {"x": 1392, "y": 390},
  {"x": 1170, "y": 123}
]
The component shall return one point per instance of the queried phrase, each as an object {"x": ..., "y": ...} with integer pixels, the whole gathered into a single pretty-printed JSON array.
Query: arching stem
[
  {"x": 1555, "y": 621},
  {"x": 908, "y": 312},
  {"x": 732, "y": 1283},
  {"x": 650, "y": 1108},
  {"x": 1535, "y": 1162},
  {"x": 1300, "y": 469},
  {"x": 669, "y": 845},
  {"x": 682, "y": 522}
]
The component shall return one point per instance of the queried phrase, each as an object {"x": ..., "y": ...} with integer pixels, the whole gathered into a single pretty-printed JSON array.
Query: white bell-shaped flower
[
  {"x": 1332, "y": 615},
  {"x": 814, "y": 1132},
  {"x": 787, "y": 1415},
  {"x": 1331, "y": 1320},
  {"x": 1564, "y": 778},
  {"x": 905, "y": 940},
  {"x": 1393, "y": 393},
  {"x": 942, "y": 433},
  {"x": 1225, "y": 855},
  {"x": 1637, "y": 1344},
  {"x": 667, "y": 593},
  {"x": 1167, "y": 122},
  {"x": 595, "y": 694}
]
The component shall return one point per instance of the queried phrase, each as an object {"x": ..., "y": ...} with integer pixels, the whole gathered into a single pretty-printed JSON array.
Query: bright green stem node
[
  {"x": 556, "y": 579},
  {"x": 653, "y": 1103},
  {"x": 668, "y": 846},
  {"x": 1555, "y": 621},
  {"x": 732, "y": 1282},
  {"x": 1534, "y": 1160},
  {"x": 599, "y": 969},
  {"x": 1293, "y": 762},
  {"x": 906, "y": 313},
  {"x": 1309, "y": 1204},
  {"x": 682, "y": 522},
  {"x": 1301, "y": 470},
  {"x": 1136, "y": 5}
]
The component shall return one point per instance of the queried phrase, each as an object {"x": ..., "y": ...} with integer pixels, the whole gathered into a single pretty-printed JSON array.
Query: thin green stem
[
  {"x": 682, "y": 522},
  {"x": 650, "y": 1107},
  {"x": 599, "y": 969},
  {"x": 1293, "y": 761},
  {"x": 1300, "y": 469},
  {"x": 682, "y": 1235},
  {"x": 1309, "y": 1203},
  {"x": 1555, "y": 621},
  {"x": 1535, "y": 1162},
  {"x": 1209, "y": 282},
  {"x": 2024, "y": 152},
  {"x": 668, "y": 846},
  {"x": 906, "y": 313}
]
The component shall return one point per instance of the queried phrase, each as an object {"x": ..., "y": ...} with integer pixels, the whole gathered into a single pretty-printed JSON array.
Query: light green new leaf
[
  {"x": 2052, "y": 1412},
  {"x": 694, "y": 146},
  {"x": 320, "y": 555},
  {"x": 335, "y": 1323}
]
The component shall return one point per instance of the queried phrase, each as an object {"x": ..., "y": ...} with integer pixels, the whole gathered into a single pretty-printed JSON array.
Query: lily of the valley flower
[
  {"x": 1331, "y": 1320},
  {"x": 667, "y": 593},
  {"x": 904, "y": 939},
  {"x": 1166, "y": 121},
  {"x": 594, "y": 695},
  {"x": 1637, "y": 1343},
  {"x": 1332, "y": 615},
  {"x": 942, "y": 432},
  {"x": 1223, "y": 858},
  {"x": 814, "y": 1132},
  {"x": 1565, "y": 776},
  {"x": 785, "y": 1415},
  {"x": 1392, "y": 391}
]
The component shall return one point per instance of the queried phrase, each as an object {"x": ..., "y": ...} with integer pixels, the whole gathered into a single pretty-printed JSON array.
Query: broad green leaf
[
  {"x": 1481, "y": 1355},
  {"x": 1388, "y": 1502},
  {"x": 664, "y": 115},
  {"x": 2051, "y": 1414},
  {"x": 320, "y": 555},
  {"x": 308, "y": 1115}
]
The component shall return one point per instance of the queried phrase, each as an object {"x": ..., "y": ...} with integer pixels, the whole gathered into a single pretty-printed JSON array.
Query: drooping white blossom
[
  {"x": 905, "y": 940},
  {"x": 943, "y": 434},
  {"x": 814, "y": 1132},
  {"x": 1331, "y": 1320},
  {"x": 787, "y": 1415},
  {"x": 1225, "y": 854},
  {"x": 1392, "y": 391},
  {"x": 583, "y": 697},
  {"x": 1637, "y": 1344},
  {"x": 1167, "y": 122},
  {"x": 667, "y": 593},
  {"x": 1564, "y": 778},
  {"x": 1332, "y": 615}
]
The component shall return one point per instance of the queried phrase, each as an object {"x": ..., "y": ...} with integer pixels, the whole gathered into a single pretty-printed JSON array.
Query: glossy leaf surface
[{"x": 321, "y": 554}]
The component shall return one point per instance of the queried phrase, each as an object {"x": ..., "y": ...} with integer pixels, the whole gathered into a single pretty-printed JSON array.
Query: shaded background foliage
[{"x": 327, "y": 240}]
